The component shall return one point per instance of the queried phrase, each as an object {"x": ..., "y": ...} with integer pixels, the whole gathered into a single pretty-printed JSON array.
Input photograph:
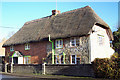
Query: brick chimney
[{"x": 55, "y": 12}]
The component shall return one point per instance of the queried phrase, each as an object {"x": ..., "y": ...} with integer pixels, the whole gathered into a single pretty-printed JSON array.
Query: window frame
[
  {"x": 11, "y": 48},
  {"x": 100, "y": 39},
  {"x": 72, "y": 39},
  {"x": 76, "y": 41},
  {"x": 75, "y": 59},
  {"x": 76, "y": 56},
  {"x": 26, "y": 59},
  {"x": 60, "y": 41},
  {"x": 27, "y": 46},
  {"x": 59, "y": 59},
  {"x": 56, "y": 59}
]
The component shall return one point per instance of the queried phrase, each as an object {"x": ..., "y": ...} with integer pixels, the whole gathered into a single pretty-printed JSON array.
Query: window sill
[
  {"x": 11, "y": 50},
  {"x": 73, "y": 46},
  {"x": 59, "y": 48},
  {"x": 27, "y": 49}
]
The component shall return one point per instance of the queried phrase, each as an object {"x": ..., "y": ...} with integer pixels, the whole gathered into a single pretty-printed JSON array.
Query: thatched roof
[{"x": 76, "y": 22}]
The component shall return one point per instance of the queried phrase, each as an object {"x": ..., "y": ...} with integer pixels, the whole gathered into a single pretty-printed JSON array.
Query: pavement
[{"x": 44, "y": 77}]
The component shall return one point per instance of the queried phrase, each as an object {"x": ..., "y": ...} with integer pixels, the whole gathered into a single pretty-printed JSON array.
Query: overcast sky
[{"x": 15, "y": 14}]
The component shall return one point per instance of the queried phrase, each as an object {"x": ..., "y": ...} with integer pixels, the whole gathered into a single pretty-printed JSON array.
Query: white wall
[
  {"x": 100, "y": 50},
  {"x": 20, "y": 60}
]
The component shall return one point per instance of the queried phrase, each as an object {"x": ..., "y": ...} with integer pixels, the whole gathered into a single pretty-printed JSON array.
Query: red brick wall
[{"x": 37, "y": 51}]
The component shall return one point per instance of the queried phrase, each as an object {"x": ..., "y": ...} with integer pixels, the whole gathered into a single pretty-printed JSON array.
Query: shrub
[
  {"x": 107, "y": 68},
  {"x": 100, "y": 67}
]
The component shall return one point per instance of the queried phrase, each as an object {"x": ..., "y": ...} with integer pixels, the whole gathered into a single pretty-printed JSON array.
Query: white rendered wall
[
  {"x": 20, "y": 60},
  {"x": 97, "y": 50}
]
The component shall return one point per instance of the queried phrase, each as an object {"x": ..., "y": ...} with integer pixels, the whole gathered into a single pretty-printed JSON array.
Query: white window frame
[
  {"x": 59, "y": 41},
  {"x": 26, "y": 60},
  {"x": 72, "y": 39},
  {"x": 27, "y": 46},
  {"x": 11, "y": 48},
  {"x": 71, "y": 59},
  {"x": 57, "y": 58},
  {"x": 100, "y": 40}
]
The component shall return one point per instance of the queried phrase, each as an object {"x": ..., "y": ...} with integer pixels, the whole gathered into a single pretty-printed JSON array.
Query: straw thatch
[{"x": 72, "y": 23}]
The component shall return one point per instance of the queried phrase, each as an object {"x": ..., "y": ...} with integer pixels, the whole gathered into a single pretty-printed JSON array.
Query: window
[
  {"x": 59, "y": 59},
  {"x": 59, "y": 43},
  {"x": 74, "y": 42},
  {"x": 77, "y": 41},
  {"x": 100, "y": 40},
  {"x": 27, "y": 46},
  {"x": 27, "y": 60},
  {"x": 73, "y": 59},
  {"x": 78, "y": 59},
  {"x": 11, "y": 48}
]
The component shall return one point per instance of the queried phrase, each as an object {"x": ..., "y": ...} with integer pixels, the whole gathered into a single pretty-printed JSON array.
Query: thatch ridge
[{"x": 76, "y": 22}]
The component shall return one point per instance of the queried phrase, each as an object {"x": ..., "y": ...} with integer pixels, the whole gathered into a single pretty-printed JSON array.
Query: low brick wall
[
  {"x": 55, "y": 69},
  {"x": 2, "y": 67},
  {"x": 70, "y": 70},
  {"x": 27, "y": 68}
]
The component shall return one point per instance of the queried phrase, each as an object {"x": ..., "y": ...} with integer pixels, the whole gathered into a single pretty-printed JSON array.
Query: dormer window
[
  {"x": 59, "y": 43},
  {"x": 11, "y": 48},
  {"x": 27, "y": 46}
]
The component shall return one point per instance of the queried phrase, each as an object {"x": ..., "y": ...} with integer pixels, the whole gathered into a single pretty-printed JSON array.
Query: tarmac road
[{"x": 15, "y": 77}]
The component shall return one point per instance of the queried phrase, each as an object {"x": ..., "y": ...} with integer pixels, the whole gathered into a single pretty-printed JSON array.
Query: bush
[
  {"x": 100, "y": 67},
  {"x": 107, "y": 68}
]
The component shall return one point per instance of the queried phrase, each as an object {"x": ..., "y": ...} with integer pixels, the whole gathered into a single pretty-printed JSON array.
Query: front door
[{"x": 15, "y": 60}]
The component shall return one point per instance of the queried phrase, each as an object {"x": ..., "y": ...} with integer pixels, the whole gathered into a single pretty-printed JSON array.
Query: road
[{"x": 9, "y": 77}]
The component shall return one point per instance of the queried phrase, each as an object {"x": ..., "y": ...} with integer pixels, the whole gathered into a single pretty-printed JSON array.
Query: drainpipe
[
  {"x": 53, "y": 50},
  {"x": 63, "y": 57}
]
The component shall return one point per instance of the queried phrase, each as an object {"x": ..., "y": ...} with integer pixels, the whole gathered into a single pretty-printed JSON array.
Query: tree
[{"x": 116, "y": 41}]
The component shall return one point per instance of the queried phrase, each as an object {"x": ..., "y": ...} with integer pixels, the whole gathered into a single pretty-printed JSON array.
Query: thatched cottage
[{"x": 76, "y": 37}]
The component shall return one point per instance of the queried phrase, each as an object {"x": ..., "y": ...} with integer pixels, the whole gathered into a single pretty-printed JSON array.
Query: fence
[{"x": 2, "y": 67}]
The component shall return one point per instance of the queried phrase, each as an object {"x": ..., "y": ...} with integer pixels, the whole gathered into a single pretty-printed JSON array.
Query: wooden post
[
  {"x": 11, "y": 68},
  {"x": 6, "y": 67},
  {"x": 43, "y": 68}
]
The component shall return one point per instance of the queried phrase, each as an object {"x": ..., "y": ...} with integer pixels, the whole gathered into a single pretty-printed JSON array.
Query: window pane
[
  {"x": 29, "y": 60},
  {"x": 73, "y": 44},
  {"x": 78, "y": 60},
  {"x": 73, "y": 59},
  {"x": 77, "y": 42},
  {"x": 11, "y": 48},
  {"x": 59, "y": 43},
  {"x": 100, "y": 40},
  {"x": 28, "y": 46}
]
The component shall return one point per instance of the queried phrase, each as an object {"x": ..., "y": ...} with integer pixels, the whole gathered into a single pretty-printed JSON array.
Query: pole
[
  {"x": 56, "y": 4},
  {"x": 53, "y": 51},
  {"x": 63, "y": 57}
]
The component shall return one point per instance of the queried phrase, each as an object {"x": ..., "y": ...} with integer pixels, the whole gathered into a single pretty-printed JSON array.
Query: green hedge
[{"x": 107, "y": 68}]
